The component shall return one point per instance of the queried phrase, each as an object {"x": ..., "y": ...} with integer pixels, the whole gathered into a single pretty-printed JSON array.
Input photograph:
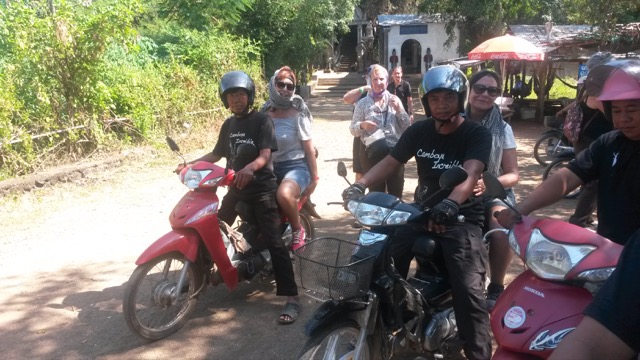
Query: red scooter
[
  {"x": 199, "y": 251},
  {"x": 566, "y": 265}
]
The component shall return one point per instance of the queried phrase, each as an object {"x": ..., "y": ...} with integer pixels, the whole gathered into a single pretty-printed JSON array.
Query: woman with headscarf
[
  {"x": 379, "y": 119},
  {"x": 503, "y": 164},
  {"x": 294, "y": 162}
]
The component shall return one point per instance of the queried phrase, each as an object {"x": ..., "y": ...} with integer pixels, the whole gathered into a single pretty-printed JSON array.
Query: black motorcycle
[{"x": 369, "y": 310}]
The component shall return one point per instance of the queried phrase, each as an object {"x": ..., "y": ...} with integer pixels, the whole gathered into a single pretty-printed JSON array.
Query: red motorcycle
[
  {"x": 566, "y": 265},
  {"x": 199, "y": 251}
]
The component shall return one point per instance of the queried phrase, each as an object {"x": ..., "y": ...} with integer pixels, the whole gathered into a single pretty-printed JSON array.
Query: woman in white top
[
  {"x": 503, "y": 164},
  {"x": 379, "y": 119},
  {"x": 294, "y": 163}
]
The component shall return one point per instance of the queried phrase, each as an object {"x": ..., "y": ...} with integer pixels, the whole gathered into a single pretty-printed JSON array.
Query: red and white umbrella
[{"x": 507, "y": 47}]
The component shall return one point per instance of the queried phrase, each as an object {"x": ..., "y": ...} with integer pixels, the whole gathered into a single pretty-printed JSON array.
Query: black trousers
[
  {"x": 394, "y": 184},
  {"x": 265, "y": 210},
  {"x": 465, "y": 257},
  {"x": 358, "y": 147}
]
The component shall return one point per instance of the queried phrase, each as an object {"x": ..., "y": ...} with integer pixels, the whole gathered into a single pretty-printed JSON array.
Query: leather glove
[
  {"x": 352, "y": 192},
  {"x": 444, "y": 211}
]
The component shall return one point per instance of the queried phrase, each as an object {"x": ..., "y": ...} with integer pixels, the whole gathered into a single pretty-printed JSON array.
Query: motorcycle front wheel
[
  {"x": 337, "y": 341},
  {"x": 148, "y": 306}
]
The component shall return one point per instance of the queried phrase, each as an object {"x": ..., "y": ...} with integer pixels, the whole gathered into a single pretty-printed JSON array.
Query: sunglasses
[
  {"x": 282, "y": 85},
  {"x": 491, "y": 90}
]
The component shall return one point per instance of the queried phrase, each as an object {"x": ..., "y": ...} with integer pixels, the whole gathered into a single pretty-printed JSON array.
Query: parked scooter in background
[
  {"x": 552, "y": 142},
  {"x": 199, "y": 250},
  {"x": 566, "y": 265}
]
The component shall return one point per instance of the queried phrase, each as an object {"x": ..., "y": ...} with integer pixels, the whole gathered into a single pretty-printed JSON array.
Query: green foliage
[
  {"x": 203, "y": 15},
  {"x": 294, "y": 32},
  {"x": 80, "y": 78}
]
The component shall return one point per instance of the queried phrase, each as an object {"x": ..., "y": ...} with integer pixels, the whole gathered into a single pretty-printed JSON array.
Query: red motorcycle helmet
[{"x": 615, "y": 80}]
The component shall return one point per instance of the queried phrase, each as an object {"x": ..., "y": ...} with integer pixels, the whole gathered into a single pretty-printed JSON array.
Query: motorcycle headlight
[
  {"x": 596, "y": 275},
  {"x": 551, "y": 260},
  {"x": 192, "y": 179},
  {"x": 366, "y": 214},
  {"x": 373, "y": 215}
]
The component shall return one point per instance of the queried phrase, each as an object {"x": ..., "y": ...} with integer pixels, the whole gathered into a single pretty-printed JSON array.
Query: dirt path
[{"x": 67, "y": 251}]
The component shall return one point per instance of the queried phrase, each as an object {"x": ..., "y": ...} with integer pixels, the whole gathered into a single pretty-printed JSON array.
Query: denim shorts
[{"x": 296, "y": 170}]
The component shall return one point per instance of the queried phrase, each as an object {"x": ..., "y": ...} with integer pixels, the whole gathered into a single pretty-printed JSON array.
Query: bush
[{"x": 81, "y": 80}]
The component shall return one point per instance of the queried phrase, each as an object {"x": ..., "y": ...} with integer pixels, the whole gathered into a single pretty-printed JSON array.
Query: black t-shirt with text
[
  {"x": 435, "y": 153},
  {"x": 612, "y": 159},
  {"x": 256, "y": 128}
]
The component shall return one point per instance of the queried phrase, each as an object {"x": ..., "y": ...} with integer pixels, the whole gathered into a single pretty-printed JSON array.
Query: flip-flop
[{"x": 292, "y": 310}]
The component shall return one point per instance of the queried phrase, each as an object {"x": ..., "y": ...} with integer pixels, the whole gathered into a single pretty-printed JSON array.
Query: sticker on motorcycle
[
  {"x": 515, "y": 317},
  {"x": 544, "y": 342}
]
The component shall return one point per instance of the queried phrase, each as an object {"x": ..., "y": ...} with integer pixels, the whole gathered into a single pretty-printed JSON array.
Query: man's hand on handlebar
[
  {"x": 507, "y": 218},
  {"x": 179, "y": 168},
  {"x": 443, "y": 212},
  {"x": 354, "y": 191}
]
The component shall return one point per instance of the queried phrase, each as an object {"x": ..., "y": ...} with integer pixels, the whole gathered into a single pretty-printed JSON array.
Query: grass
[{"x": 559, "y": 90}]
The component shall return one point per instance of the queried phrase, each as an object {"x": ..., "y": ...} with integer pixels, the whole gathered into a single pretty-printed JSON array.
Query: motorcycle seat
[{"x": 424, "y": 246}]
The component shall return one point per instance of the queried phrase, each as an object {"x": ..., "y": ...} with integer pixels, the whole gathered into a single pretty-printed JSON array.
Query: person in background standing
[
  {"x": 594, "y": 124},
  {"x": 378, "y": 120},
  {"x": 428, "y": 60},
  {"x": 352, "y": 97},
  {"x": 393, "y": 59},
  {"x": 402, "y": 89}
]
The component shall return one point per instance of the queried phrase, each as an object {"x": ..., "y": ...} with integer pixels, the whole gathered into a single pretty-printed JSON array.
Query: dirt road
[{"x": 67, "y": 251}]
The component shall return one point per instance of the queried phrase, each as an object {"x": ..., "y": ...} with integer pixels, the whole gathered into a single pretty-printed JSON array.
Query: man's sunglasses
[
  {"x": 491, "y": 90},
  {"x": 282, "y": 85}
]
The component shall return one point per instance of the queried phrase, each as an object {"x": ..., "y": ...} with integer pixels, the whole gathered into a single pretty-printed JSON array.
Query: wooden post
[{"x": 542, "y": 95}]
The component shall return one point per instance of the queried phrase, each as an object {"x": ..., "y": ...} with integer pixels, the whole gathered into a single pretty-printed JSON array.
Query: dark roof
[{"x": 577, "y": 42}]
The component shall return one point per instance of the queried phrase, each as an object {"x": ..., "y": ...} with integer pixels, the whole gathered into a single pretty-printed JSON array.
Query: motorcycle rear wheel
[
  {"x": 307, "y": 223},
  {"x": 547, "y": 147},
  {"x": 147, "y": 307},
  {"x": 336, "y": 341}
]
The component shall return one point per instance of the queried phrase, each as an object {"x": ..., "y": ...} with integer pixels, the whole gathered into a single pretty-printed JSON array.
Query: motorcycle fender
[
  {"x": 310, "y": 208},
  {"x": 327, "y": 313},
  {"x": 184, "y": 242}
]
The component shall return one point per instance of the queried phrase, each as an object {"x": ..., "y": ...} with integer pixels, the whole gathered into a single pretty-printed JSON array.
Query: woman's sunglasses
[
  {"x": 282, "y": 85},
  {"x": 491, "y": 90}
]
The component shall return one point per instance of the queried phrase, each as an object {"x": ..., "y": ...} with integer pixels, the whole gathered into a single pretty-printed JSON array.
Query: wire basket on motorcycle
[{"x": 331, "y": 268}]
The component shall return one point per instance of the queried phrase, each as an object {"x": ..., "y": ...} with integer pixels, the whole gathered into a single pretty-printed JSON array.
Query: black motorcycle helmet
[
  {"x": 444, "y": 77},
  {"x": 615, "y": 80},
  {"x": 237, "y": 80}
]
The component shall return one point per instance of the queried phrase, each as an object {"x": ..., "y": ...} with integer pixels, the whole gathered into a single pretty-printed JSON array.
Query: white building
[{"x": 411, "y": 36}]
